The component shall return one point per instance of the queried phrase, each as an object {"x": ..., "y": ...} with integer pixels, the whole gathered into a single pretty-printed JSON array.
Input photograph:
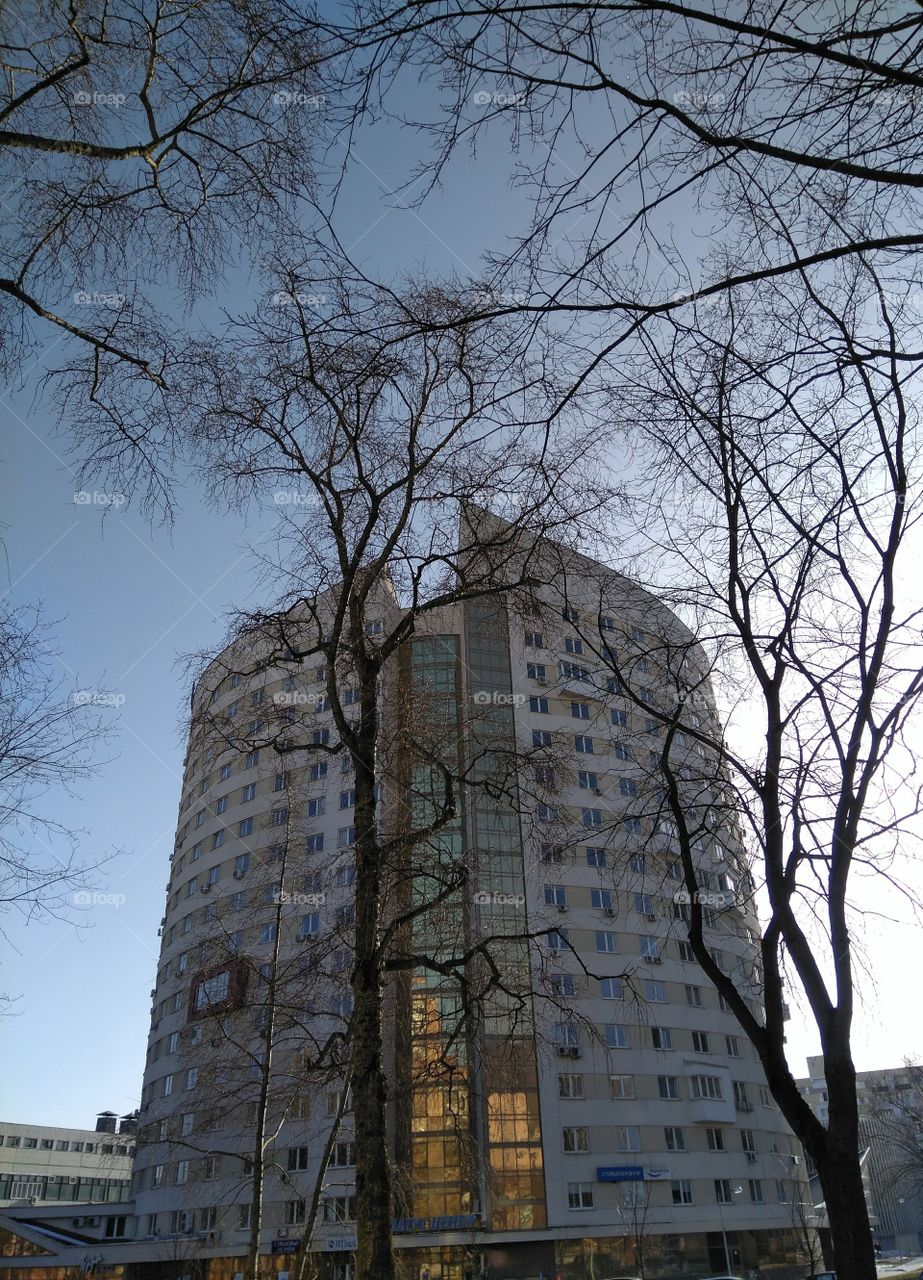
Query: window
[
  {"x": 580, "y": 1195},
  {"x": 555, "y": 895},
  {"x": 545, "y": 775},
  {"x": 343, "y": 1155},
  {"x": 310, "y": 925},
  {"x": 345, "y": 876},
  {"x": 694, "y": 996},
  {"x": 616, "y": 1035},
  {"x": 280, "y": 782},
  {"x": 320, "y": 737},
  {"x": 278, "y": 817},
  {"x": 318, "y": 771},
  {"x": 733, "y": 1046},
  {"x": 591, "y": 818},
  {"x": 654, "y": 991},
  {"x": 245, "y": 827},
  {"x": 539, "y": 706},
  {"x": 700, "y": 1043},
  {"x": 674, "y": 1138},
  {"x": 588, "y": 780},
  {"x": 741, "y": 1099},
  {"x": 225, "y": 772},
  {"x": 569, "y": 614},
  {"x": 339, "y": 1208},
  {"x": 541, "y": 737},
  {"x": 570, "y": 1086},
  {"x": 552, "y": 853},
  {"x": 211, "y": 991},
  {"x": 628, "y": 1138},
  {"x": 650, "y": 946},
  {"x": 534, "y": 640},
  {"x": 314, "y": 844},
  {"x": 580, "y": 710},
  {"x": 295, "y": 1212},
  {"x": 241, "y": 864},
  {"x": 316, "y": 807},
  {"x": 668, "y": 1086},
  {"x": 662, "y": 1038},
  {"x": 182, "y": 1172},
  {"x": 674, "y": 871},
  {"x": 614, "y": 685},
  {"x": 546, "y": 813},
  {"x": 221, "y": 804},
  {"x": 348, "y": 798},
  {"x": 610, "y": 988},
  {"x": 621, "y": 1086},
  {"x": 218, "y": 839},
  {"x": 573, "y": 645},
  {"x": 595, "y": 857},
  {"x": 374, "y": 628},
  {"x": 583, "y": 744},
  {"x": 167, "y": 1086},
  {"x": 186, "y": 1124},
  {"x": 196, "y": 852},
  {"x": 644, "y": 904},
  {"x": 214, "y": 875},
  {"x": 251, "y": 758},
  {"x": 575, "y": 1140},
  {"x": 606, "y": 941},
  {"x": 563, "y": 984},
  {"x": 601, "y": 899},
  {"x": 685, "y": 952},
  {"x": 536, "y": 671},
  {"x": 681, "y": 1190},
  {"x": 627, "y": 787},
  {"x": 714, "y": 1139},
  {"x": 756, "y": 1190},
  {"x": 566, "y": 1035},
  {"x": 621, "y": 752},
  {"x": 556, "y": 939},
  {"x": 638, "y": 863},
  {"x": 747, "y": 1141},
  {"x": 268, "y": 933},
  {"x": 346, "y": 837},
  {"x": 723, "y": 1192},
  {"x": 706, "y": 1087}
]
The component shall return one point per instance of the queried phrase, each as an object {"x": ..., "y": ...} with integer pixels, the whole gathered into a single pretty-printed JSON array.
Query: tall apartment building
[
  {"x": 892, "y": 1145},
  {"x": 600, "y": 1101}
]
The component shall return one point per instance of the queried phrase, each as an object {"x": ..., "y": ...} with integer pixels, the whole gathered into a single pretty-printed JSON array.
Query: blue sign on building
[{"x": 620, "y": 1173}]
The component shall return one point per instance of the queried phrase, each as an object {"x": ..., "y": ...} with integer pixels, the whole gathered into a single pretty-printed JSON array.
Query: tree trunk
[
  {"x": 374, "y": 1254},
  {"x": 841, "y": 1175}
]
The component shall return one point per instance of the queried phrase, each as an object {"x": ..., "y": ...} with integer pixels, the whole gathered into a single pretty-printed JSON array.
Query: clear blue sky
[{"x": 128, "y": 601}]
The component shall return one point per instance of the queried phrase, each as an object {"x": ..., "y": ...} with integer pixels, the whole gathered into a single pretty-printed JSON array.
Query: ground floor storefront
[{"x": 778, "y": 1254}]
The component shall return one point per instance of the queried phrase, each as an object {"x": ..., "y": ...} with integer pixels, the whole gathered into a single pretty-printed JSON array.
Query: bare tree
[
  {"x": 49, "y": 740},
  {"x": 374, "y": 441},
  {"x": 141, "y": 143},
  {"x": 778, "y": 470},
  {"x": 625, "y": 121}
]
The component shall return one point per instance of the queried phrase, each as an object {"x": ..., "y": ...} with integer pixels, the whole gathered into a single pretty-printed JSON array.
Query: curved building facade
[{"x": 600, "y": 1108}]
